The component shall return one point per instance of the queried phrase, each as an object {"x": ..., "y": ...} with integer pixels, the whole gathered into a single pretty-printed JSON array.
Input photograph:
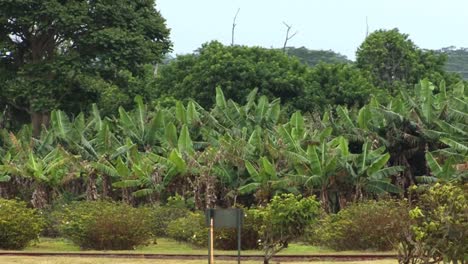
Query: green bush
[
  {"x": 18, "y": 224},
  {"x": 190, "y": 228},
  {"x": 368, "y": 225},
  {"x": 105, "y": 225},
  {"x": 439, "y": 228},
  {"x": 163, "y": 215}
]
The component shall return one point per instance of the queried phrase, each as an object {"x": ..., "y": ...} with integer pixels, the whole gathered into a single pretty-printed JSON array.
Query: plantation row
[
  {"x": 241, "y": 154},
  {"x": 190, "y": 158}
]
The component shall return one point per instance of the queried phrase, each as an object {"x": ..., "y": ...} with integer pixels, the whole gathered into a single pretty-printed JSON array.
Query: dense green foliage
[
  {"x": 340, "y": 84},
  {"x": 164, "y": 215},
  {"x": 68, "y": 54},
  {"x": 237, "y": 70},
  {"x": 361, "y": 226},
  {"x": 395, "y": 62},
  {"x": 19, "y": 225},
  {"x": 315, "y": 57},
  {"x": 190, "y": 228},
  {"x": 440, "y": 228},
  {"x": 227, "y": 126},
  {"x": 105, "y": 225},
  {"x": 241, "y": 153}
]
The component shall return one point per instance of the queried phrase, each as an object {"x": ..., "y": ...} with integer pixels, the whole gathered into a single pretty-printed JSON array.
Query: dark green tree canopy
[
  {"x": 394, "y": 60},
  {"x": 314, "y": 57},
  {"x": 74, "y": 52},
  {"x": 237, "y": 70},
  {"x": 339, "y": 84}
]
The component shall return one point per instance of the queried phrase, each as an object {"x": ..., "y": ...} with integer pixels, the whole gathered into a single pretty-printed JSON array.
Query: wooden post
[
  {"x": 239, "y": 235},
  {"x": 211, "y": 240}
]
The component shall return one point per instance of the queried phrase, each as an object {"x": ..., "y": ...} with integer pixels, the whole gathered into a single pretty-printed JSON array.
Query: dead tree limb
[
  {"x": 234, "y": 27},
  {"x": 288, "y": 37}
]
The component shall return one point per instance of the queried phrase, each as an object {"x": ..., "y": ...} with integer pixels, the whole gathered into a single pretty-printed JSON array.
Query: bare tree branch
[
  {"x": 234, "y": 27},
  {"x": 367, "y": 28},
  {"x": 288, "y": 37}
]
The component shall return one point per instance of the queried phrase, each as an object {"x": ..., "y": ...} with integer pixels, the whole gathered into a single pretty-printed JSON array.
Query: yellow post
[{"x": 211, "y": 240}]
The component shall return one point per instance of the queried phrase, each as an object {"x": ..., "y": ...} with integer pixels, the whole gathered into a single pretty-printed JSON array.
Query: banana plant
[
  {"x": 265, "y": 181},
  {"x": 46, "y": 173},
  {"x": 370, "y": 173},
  {"x": 320, "y": 167},
  {"x": 443, "y": 171}
]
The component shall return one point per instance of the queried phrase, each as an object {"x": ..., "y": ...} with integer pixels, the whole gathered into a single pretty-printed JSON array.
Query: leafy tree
[
  {"x": 237, "y": 70},
  {"x": 64, "y": 54},
  {"x": 339, "y": 84},
  {"x": 440, "y": 228},
  {"x": 284, "y": 219},
  {"x": 394, "y": 60}
]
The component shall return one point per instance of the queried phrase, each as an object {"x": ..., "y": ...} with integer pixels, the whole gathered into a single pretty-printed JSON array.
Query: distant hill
[
  {"x": 314, "y": 57},
  {"x": 457, "y": 60}
]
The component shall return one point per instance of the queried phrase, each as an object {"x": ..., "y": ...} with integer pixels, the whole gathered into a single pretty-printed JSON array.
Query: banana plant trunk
[
  {"x": 196, "y": 186},
  {"x": 127, "y": 196},
  {"x": 106, "y": 187},
  {"x": 324, "y": 199},
  {"x": 91, "y": 189},
  {"x": 39, "y": 119},
  {"x": 210, "y": 192},
  {"x": 40, "y": 196}
]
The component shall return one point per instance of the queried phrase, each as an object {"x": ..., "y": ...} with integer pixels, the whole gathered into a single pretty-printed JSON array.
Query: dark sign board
[
  {"x": 232, "y": 217},
  {"x": 216, "y": 218}
]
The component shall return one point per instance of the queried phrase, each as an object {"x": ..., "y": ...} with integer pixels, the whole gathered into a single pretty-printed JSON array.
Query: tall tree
[
  {"x": 59, "y": 53},
  {"x": 395, "y": 61},
  {"x": 237, "y": 70}
]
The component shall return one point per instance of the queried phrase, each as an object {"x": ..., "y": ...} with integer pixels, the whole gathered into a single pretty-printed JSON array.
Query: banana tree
[
  {"x": 370, "y": 173},
  {"x": 266, "y": 180},
  {"x": 445, "y": 172},
  {"x": 321, "y": 167},
  {"x": 46, "y": 173}
]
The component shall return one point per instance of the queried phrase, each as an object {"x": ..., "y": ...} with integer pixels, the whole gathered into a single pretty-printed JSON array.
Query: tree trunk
[
  {"x": 324, "y": 198},
  {"x": 40, "y": 197},
  {"x": 210, "y": 192},
  {"x": 197, "y": 193},
  {"x": 127, "y": 196},
  {"x": 105, "y": 186},
  {"x": 39, "y": 119},
  {"x": 91, "y": 189}
]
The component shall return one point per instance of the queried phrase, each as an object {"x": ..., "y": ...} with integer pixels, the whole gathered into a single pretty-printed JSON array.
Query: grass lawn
[
  {"x": 65, "y": 260},
  {"x": 169, "y": 246}
]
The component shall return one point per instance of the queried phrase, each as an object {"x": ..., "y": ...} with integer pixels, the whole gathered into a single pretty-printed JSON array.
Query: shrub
[
  {"x": 190, "y": 228},
  {"x": 18, "y": 224},
  {"x": 105, "y": 225},
  {"x": 439, "y": 232},
  {"x": 163, "y": 215},
  {"x": 368, "y": 225},
  {"x": 283, "y": 220}
]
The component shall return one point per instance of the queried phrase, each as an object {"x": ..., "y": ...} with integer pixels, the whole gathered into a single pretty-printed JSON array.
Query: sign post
[{"x": 216, "y": 218}]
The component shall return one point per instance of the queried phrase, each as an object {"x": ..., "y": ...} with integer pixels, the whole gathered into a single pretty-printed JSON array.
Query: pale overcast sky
[{"x": 339, "y": 25}]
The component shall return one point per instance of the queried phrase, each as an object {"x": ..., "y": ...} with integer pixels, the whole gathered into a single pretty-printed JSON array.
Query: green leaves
[{"x": 185, "y": 144}]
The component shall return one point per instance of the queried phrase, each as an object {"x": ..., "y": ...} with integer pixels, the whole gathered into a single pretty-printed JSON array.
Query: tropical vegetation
[{"x": 95, "y": 120}]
